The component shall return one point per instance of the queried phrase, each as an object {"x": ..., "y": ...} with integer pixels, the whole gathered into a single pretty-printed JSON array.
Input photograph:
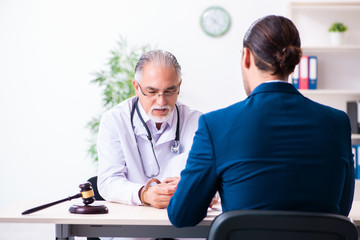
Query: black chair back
[
  {"x": 93, "y": 181},
  {"x": 281, "y": 225}
]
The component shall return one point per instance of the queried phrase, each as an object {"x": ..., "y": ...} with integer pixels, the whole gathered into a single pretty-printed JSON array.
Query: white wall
[{"x": 48, "y": 50}]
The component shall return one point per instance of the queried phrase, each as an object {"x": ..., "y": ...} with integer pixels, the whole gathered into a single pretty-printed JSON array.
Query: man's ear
[
  {"x": 246, "y": 58},
  {"x": 136, "y": 87}
]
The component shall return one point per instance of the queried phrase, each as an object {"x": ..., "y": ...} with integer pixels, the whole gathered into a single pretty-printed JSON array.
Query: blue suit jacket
[{"x": 274, "y": 150}]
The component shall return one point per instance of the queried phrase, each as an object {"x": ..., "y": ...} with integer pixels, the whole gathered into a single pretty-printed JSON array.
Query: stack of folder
[
  {"x": 356, "y": 152},
  {"x": 353, "y": 111},
  {"x": 305, "y": 74}
]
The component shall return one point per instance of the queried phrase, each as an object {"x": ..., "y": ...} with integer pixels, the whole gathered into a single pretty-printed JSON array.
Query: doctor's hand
[
  {"x": 172, "y": 180},
  {"x": 159, "y": 195}
]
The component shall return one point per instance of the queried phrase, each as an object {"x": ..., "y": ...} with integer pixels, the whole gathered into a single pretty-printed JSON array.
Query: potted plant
[
  {"x": 337, "y": 30},
  {"x": 116, "y": 84}
]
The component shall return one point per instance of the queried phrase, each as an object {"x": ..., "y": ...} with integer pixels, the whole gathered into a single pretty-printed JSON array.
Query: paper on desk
[{"x": 214, "y": 211}]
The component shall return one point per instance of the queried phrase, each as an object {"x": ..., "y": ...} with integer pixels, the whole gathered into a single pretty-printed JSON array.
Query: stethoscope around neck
[{"x": 175, "y": 147}]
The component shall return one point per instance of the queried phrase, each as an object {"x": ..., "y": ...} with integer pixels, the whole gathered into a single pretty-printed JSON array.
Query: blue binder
[
  {"x": 313, "y": 72},
  {"x": 295, "y": 77},
  {"x": 355, "y": 153}
]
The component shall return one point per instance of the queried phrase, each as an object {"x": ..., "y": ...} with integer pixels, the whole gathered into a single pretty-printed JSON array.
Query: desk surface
[
  {"x": 119, "y": 214},
  {"x": 121, "y": 221},
  {"x": 355, "y": 212}
]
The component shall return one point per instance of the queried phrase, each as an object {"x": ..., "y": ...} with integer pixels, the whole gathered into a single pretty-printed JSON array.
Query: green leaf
[
  {"x": 337, "y": 27},
  {"x": 115, "y": 82}
]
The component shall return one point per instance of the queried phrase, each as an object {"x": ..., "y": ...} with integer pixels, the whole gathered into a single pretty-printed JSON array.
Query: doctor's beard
[{"x": 162, "y": 118}]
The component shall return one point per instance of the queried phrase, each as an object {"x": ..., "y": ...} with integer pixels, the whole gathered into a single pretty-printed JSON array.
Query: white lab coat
[{"x": 120, "y": 172}]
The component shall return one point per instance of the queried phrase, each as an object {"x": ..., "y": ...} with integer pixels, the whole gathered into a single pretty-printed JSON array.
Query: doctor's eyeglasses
[{"x": 154, "y": 93}]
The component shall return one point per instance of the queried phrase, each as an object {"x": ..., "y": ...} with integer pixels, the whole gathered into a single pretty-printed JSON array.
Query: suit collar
[{"x": 275, "y": 87}]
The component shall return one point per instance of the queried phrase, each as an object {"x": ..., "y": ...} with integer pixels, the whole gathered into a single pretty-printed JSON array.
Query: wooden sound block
[{"x": 89, "y": 209}]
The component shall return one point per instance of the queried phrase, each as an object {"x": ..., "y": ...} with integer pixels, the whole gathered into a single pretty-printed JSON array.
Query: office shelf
[
  {"x": 338, "y": 79},
  {"x": 330, "y": 92},
  {"x": 355, "y": 136},
  {"x": 329, "y": 49}
]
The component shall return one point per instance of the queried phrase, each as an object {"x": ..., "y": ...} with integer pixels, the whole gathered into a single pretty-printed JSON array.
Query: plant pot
[{"x": 337, "y": 38}]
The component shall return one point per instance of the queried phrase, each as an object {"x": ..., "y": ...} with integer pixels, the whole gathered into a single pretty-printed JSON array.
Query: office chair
[
  {"x": 281, "y": 225},
  {"x": 93, "y": 181}
]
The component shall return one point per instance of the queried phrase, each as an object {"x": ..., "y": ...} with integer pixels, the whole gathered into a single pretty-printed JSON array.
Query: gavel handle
[{"x": 35, "y": 209}]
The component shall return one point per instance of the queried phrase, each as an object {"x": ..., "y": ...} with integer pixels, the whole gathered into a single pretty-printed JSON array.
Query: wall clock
[{"x": 215, "y": 21}]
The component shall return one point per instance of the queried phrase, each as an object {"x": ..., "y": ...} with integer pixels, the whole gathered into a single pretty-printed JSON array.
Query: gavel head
[{"x": 87, "y": 193}]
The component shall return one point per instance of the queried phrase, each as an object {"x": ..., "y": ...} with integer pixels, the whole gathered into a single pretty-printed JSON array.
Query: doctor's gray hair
[{"x": 162, "y": 57}]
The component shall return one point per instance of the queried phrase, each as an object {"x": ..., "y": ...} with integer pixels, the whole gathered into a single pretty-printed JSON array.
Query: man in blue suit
[{"x": 274, "y": 150}]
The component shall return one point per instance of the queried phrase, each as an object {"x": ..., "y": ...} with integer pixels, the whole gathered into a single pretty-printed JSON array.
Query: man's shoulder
[
  {"x": 124, "y": 106},
  {"x": 121, "y": 110},
  {"x": 187, "y": 110},
  {"x": 328, "y": 111},
  {"x": 226, "y": 111}
]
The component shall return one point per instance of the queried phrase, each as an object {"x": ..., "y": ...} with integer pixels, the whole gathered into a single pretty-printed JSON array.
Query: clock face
[{"x": 215, "y": 21}]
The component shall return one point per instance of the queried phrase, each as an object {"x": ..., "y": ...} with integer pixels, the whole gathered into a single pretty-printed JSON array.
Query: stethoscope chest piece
[{"x": 175, "y": 148}]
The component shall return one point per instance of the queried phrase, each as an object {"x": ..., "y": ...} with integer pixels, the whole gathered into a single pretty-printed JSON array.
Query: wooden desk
[
  {"x": 355, "y": 213},
  {"x": 121, "y": 221}
]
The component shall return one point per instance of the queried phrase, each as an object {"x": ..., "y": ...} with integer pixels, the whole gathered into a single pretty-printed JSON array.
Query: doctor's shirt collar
[{"x": 151, "y": 124}]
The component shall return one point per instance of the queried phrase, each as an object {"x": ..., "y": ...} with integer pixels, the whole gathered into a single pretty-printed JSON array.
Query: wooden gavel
[{"x": 86, "y": 193}]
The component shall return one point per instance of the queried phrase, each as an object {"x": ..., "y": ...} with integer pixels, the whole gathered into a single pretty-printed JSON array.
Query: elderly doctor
[{"x": 146, "y": 138}]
